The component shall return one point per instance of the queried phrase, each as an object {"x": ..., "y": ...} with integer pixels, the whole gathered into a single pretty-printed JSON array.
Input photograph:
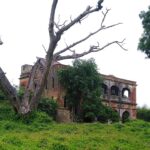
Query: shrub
[
  {"x": 143, "y": 113},
  {"x": 48, "y": 106},
  {"x": 91, "y": 107},
  {"x": 42, "y": 117},
  {"x": 34, "y": 117},
  {"x": 89, "y": 117},
  {"x": 6, "y": 112},
  {"x": 2, "y": 95},
  {"x": 107, "y": 113}
]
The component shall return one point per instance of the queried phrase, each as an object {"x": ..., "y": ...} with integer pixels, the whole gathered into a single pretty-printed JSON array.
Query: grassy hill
[{"x": 44, "y": 134}]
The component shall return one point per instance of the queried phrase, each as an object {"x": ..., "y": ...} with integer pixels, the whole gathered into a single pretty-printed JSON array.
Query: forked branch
[
  {"x": 94, "y": 48},
  {"x": 79, "y": 18},
  {"x": 102, "y": 27}
]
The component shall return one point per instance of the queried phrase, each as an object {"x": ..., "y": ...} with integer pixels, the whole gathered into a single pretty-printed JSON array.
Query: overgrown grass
[{"x": 48, "y": 135}]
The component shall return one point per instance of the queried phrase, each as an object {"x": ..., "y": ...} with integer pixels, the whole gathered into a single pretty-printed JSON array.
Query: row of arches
[{"x": 114, "y": 90}]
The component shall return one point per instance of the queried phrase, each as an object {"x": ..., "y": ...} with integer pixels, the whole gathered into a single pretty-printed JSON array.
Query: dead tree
[{"x": 56, "y": 30}]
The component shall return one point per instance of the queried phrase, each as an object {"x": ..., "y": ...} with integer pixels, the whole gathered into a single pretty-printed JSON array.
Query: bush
[
  {"x": 2, "y": 95},
  {"x": 34, "y": 117},
  {"x": 143, "y": 113},
  {"x": 90, "y": 108},
  {"x": 107, "y": 113},
  {"x": 6, "y": 112},
  {"x": 89, "y": 117},
  {"x": 48, "y": 106}
]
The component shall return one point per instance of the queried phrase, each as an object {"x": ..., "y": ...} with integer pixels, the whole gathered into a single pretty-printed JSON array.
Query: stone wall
[{"x": 63, "y": 115}]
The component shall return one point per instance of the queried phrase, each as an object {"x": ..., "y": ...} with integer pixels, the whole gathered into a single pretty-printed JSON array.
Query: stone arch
[
  {"x": 104, "y": 89},
  {"x": 126, "y": 92},
  {"x": 125, "y": 116},
  {"x": 115, "y": 90}
]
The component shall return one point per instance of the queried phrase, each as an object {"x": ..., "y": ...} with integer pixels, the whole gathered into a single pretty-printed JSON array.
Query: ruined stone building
[{"x": 120, "y": 94}]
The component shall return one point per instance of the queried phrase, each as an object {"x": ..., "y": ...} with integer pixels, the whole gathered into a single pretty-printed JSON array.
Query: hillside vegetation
[{"x": 42, "y": 133}]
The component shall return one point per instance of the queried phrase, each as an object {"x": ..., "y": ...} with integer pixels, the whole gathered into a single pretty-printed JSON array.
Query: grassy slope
[{"x": 14, "y": 135}]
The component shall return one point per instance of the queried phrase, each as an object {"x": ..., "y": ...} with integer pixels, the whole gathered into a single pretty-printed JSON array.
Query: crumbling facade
[{"x": 120, "y": 94}]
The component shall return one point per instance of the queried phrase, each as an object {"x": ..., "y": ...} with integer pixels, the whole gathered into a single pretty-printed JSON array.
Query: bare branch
[
  {"x": 85, "y": 38},
  {"x": 73, "y": 51},
  {"x": 44, "y": 48},
  {"x": 58, "y": 26},
  {"x": 78, "y": 19},
  {"x": 70, "y": 18},
  {"x": 104, "y": 16},
  {"x": 91, "y": 49},
  {"x": 120, "y": 44},
  {"x": 51, "y": 20},
  {"x": 89, "y": 35}
]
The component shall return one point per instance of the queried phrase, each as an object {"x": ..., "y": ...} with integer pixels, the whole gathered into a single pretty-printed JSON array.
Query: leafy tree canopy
[
  {"x": 83, "y": 88},
  {"x": 144, "y": 42}
]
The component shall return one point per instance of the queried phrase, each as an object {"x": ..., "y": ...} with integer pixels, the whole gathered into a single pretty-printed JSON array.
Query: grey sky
[{"x": 24, "y": 28}]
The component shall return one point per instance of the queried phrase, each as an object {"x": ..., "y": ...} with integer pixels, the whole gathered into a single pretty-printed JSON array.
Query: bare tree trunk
[{"x": 9, "y": 90}]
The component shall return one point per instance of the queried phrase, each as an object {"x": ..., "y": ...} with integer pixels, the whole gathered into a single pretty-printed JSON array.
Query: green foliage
[
  {"x": 43, "y": 143},
  {"x": 144, "y": 42},
  {"x": 58, "y": 146},
  {"x": 125, "y": 117},
  {"x": 107, "y": 113},
  {"x": 6, "y": 112},
  {"x": 48, "y": 106},
  {"x": 91, "y": 108},
  {"x": 12, "y": 140},
  {"x": 21, "y": 92},
  {"x": 2, "y": 95},
  {"x": 33, "y": 117},
  {"x": 143, "y": 113},
  {"x": 83, "y": 88},
  {"x": 42, "y": 134}
]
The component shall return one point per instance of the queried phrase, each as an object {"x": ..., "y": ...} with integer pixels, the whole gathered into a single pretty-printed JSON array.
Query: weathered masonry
[{"x": 120, "y": 94}]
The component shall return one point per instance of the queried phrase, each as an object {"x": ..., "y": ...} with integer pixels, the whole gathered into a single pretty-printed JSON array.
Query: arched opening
[
  {"x": 104, "y": 89},
  {"x": 125, "y": 116},
  {"x": 125, "y": 93},
  {"x": 115, "y": 90}
]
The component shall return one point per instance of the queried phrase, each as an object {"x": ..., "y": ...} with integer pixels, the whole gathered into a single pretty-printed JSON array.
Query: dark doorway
[{"x": 125, "y": 116}]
